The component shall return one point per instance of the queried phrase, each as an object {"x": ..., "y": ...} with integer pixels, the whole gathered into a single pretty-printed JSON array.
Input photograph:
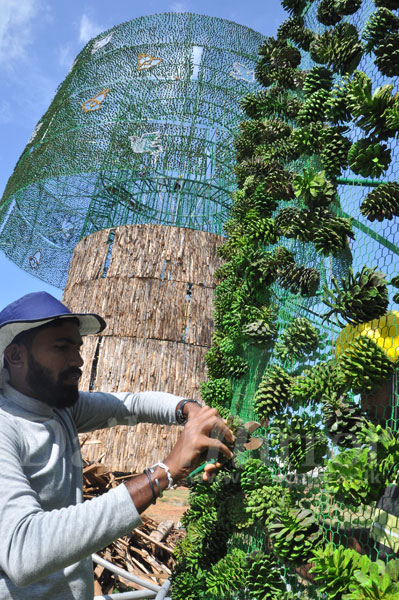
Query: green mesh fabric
[{"x": 140, "y": 131}]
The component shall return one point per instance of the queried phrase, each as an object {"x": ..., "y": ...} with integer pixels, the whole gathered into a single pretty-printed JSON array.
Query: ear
[{"x": 15, "y": 355}]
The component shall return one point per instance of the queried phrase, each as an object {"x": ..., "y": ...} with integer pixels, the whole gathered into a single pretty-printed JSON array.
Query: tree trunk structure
[{"x": 154, "y": 287}]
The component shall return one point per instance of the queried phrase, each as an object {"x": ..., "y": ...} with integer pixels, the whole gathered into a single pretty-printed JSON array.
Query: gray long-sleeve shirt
[{"x": 47, "y": 532}]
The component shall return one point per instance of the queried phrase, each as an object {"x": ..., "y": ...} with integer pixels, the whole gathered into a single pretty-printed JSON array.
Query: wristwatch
[{"x": 180, "y": 416}]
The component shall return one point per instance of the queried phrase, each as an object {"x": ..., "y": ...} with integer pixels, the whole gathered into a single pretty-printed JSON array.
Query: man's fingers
[{"x": 216, "y": 447}]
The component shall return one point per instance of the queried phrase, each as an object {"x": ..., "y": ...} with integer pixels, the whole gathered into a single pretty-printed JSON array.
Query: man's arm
[{"x": 98, "y": 410}]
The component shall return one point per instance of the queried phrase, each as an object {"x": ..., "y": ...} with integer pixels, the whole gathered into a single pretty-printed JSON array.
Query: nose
[{"x": 76, "y": 359}]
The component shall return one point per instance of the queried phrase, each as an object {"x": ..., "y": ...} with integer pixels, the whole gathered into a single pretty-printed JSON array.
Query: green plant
[
  {"x": 365, "y": 365},
  {"x": 307, "y": 139},
  {"x": 334, "y": 569},
  {"x": 217, "y": 392},
  {"x": 357, "y": 298},
  {"x": 375, "y": 584},
  {"x": 337, "y": 107},
  {"x": 298, "y": 339},
  {"x": 295, "y": 534},
  {"x": 323, "y": 379},
  {"x": 382, "y": 202},
  {"x": 351, "y": 479},
  {"x": 294, "y": 7}
]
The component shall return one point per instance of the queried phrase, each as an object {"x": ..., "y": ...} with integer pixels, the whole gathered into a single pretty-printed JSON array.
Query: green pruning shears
[{"x": 243, "y": 432}]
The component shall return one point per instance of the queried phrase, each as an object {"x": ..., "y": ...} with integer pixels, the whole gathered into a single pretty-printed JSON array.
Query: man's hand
[{"x": 200, "y": 440}]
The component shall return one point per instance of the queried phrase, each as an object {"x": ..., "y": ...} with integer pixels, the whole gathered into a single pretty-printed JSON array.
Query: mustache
[{"x": 71, "y": 372}]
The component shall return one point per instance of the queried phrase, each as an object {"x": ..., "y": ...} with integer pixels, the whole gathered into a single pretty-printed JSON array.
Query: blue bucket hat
[{"x": 37, "y": 309}]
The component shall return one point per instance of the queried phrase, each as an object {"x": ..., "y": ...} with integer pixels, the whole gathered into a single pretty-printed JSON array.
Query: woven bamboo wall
[{"x": 154, "y": 287}]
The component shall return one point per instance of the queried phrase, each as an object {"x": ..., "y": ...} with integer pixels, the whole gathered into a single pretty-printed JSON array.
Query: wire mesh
[{"x": 140, "y": 131}]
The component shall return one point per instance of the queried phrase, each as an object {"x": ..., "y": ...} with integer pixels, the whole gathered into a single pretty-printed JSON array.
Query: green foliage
[
  {"x": 295, "y": 534},
  {"x": 369, "y": 109},
  {"x": 294, "y": 7},
  {"x": 337, "y": 108},
  {"x": 382, "y": 202},
  {"x": 357, "y": 298},
  {"x": 298, "y": 339},
  {"x": 220, "y": 365},
  {"x": 255, "y": 474},
  {"x": 380, "y": 582},
  {"x": 261, "y": 502},
  {"x": 365, "y": 365},
  {"x": 273, "y": 392},
  {"x": 264, "y": 581},
  {"x": 350, "y": 479},
  {"x": 334, "y": 569},
  {"x": 308, "y": 139},
  {"x": 270, "y": 103},
  {"x": 278, "y": 63}
]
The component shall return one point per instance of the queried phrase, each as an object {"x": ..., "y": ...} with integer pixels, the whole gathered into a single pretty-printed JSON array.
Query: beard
[{"x": 54, "y": 392}]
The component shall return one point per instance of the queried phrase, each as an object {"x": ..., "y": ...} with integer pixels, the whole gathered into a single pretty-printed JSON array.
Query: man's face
[{"x": 53, "y": 363}]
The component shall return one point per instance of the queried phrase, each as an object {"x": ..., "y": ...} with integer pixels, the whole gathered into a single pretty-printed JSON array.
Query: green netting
[{"x": 140, "y": 131}]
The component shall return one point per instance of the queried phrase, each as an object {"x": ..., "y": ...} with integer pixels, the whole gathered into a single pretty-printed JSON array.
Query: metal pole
[
  {"x": 107, "y": 565},
  {"x": 138, "y": 594},
  {"x": 163, "y": 591}
]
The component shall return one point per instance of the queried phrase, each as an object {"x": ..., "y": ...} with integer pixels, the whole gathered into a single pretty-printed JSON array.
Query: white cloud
[
  {"x": 178, "y": 7},
  {"x": 88, "y": 29},
  {"x": 16, "y": 21}
]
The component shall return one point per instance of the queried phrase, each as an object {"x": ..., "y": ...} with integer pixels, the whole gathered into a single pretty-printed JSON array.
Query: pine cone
[
  {"x": 299, "y": 279},
  {"x": 308, "y": 139},
  {"x": 314, "y": 108},
  {"x": 294, "y": 29},
  {"x": 260, "y": 332},
  {"x": 273, "y": 392},
  {"x": 295, "y": 534},
  {"x": 330, "y": 233},
  {"x": 264, "y": 581},
  {"x": 318, "y": 78},
  {"x": 294, "y": 7},
  {"x": 382, "y": 202},
  {"x": 322, "y": 380},
  {"x": 348, "y": 7},
  {"x": 334, "y": 153},
  {"x": 298, "y": 442},
  {"x": 381, "y": 23},
  {"x": 343, "y": 419},
  {"x": 387, "y": 55},
  {"x": 337, "y": 107},
  {"x": 365, "y": 365},
  {"x": 339, "y": 48},
  {"x": 359, "y": 298},
  {"x": 255, "y": 474},
  {"x": 300, "y": 338},
  {"x": 368, "y": 158},
  {"x": 261, "y": 501},
  {"x": 294, "y": 223},
  {"x": 327, "y": 12}
]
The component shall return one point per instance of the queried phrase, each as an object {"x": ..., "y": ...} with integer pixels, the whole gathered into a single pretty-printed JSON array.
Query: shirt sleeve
[
  {"x": 98, "y": 410},
  {"x": 36, "y": 543}
]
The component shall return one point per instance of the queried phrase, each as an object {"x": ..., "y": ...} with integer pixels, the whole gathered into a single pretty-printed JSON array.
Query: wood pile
[{"x": 146, "y": 552}]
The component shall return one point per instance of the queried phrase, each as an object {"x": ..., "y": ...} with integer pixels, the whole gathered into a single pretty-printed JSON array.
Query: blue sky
[{"x": 39, "y": 40}]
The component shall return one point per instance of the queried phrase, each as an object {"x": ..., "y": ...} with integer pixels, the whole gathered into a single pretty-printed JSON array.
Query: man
[{"x": 47, "y": 532}]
